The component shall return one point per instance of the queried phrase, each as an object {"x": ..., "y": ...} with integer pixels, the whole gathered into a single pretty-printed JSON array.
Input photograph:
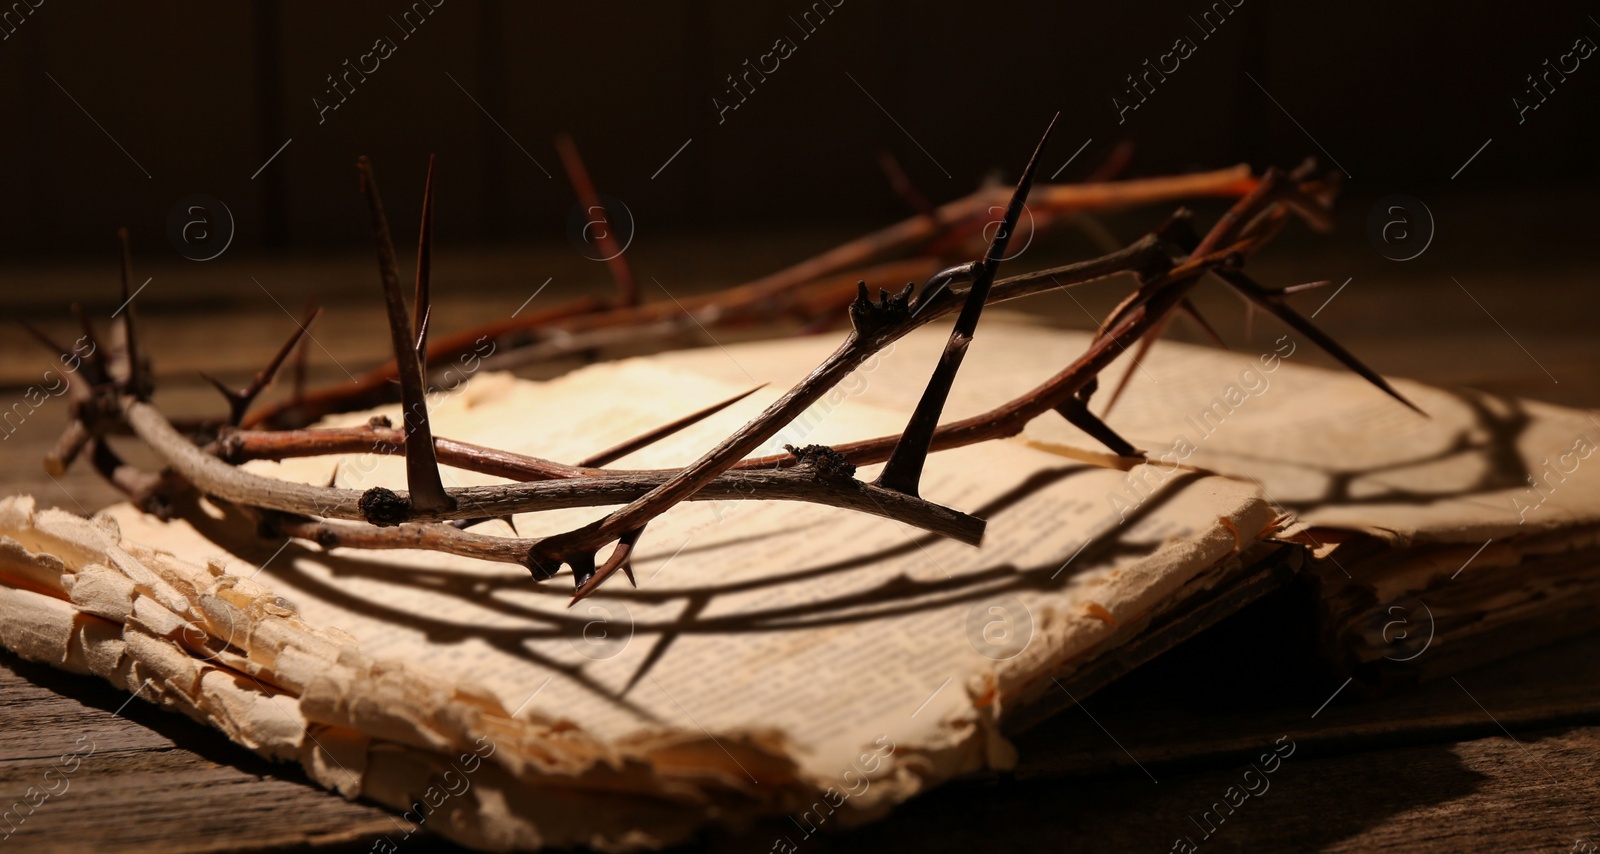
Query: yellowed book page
[
  {"x": 773, "y": 652},
  {"x": 1322, "y": 443},
  {"x": 816, "y": 622}
]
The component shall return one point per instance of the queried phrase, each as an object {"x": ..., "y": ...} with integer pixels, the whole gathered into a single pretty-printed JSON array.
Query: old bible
[{"x": 784, "y": 659}]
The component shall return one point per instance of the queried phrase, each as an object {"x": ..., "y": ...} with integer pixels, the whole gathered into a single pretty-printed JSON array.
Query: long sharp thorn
[
  {"x": 74, "y": 384},
  {"x": 464, "y": 524},
  {"x": 903, "y": 471},
  {"x": 138, "y": 384},
  {"x": 98, "y": 354},
  {"x": 239, "y": 401},
  {"x": 422, "y": 303},
  {"x": 1250, "y": 306},
  {"x": 621, "y": 558},
  {"x": 1077, "y": 413},
  {"x": 617, "y": 452},
  {"x": 228, "y": 394},
  {"x": 1146, "y": 341},
  {"x": 49, "y": 343},
  {"x": 422, "y": 466},
  {"x": 1262, "y": 297},
  {"x": 266, "y": 375},
  {"x": 578, "y": 174},
  {"x": 300, "y": 355},
  {"x": 1188, "y": 307}
]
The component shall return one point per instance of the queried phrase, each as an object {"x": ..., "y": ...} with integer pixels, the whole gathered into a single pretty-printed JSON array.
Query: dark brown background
[{"x": 201, "y": 94}]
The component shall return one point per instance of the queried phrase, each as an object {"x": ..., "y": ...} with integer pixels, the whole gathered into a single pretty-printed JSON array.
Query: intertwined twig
[{"x": 1166, "y": 264}]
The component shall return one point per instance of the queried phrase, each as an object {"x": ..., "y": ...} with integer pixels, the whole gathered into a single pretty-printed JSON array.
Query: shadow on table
[
  {"x": 1132, "y": 771},
  {"x": 1312, "y": 803}
]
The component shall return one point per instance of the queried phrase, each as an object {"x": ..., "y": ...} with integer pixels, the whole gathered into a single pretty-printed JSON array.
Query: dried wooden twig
[
  {"x": 1167, "y": 264},
  {"x": 806, "y": 290},
  {"x": 578, "y": 174},
  {"x": 239, "y": 400}
]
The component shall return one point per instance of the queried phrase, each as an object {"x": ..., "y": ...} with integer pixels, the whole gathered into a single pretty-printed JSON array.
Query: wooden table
[{"x": 1503, "y": 758}]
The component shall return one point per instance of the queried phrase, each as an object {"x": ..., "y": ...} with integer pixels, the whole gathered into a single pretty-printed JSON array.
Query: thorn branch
[
  {"x": 903, "y": 472},
  {"x": 422, "y": 469},
  {"x": 1167, "y": 265}
]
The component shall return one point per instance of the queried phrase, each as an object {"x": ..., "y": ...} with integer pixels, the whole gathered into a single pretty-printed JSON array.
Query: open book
[
  {"x": 792, "y": 659},
  {"x": 1472, "y": 533}
]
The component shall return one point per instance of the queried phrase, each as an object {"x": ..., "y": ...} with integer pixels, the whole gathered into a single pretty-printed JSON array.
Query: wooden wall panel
[
  {"x": 170, "y": 84},
  {"x": 202, "y": 94}
]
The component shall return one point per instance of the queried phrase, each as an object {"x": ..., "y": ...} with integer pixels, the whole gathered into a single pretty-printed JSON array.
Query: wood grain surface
[{"x": 1503, "y": 758}]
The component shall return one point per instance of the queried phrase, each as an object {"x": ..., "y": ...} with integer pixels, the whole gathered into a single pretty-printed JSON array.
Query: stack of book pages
[{"x": 783, "y": 659}]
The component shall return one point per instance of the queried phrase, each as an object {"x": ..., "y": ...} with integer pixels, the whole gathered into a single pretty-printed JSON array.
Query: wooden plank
[
  {"x": 1430, "y": 768},
  {"x": 106, "y": 128},
  {"x": 141, "y": 778},
  {"x": 1498, "y": 794},
  {"x": 1492, "y": 794}
]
